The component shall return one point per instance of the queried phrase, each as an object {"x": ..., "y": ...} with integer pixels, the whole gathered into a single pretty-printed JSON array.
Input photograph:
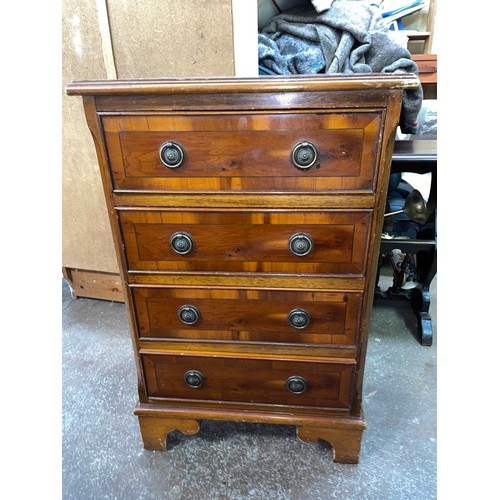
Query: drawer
[
  {"x": 249, "y": 380},
  {"x": 243, "y": 152},
  {"x": 240, "y": 315},
  {"x": 285, "y": 241}
]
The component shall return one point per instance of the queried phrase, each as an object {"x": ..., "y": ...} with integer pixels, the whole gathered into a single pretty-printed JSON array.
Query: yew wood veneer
[{"x": 246, "y": 215}]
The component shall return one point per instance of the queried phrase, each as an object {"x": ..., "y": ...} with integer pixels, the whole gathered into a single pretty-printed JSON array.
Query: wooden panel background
[
  {"x": 178, "y": 38},
  {"x": 86, "y": 233},
  {"x": 108, "y": 39}
]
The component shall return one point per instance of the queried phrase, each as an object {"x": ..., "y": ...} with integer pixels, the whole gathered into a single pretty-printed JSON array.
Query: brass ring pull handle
[
  {"x": 304, "y": 155},
  {"x": 188, "y": 314},
  {"x": 181, "y": 243},
  {"x": 296, "y": 384},
  {"x": 300, "y": 244},
  {"x": 172, "y": 154},
  {"x": 194, "y": 379},
  {"x": 299, "y": 318}
]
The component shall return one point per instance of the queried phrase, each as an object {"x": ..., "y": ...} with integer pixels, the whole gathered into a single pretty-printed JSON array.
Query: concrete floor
[{"x": 103, "y": 457}]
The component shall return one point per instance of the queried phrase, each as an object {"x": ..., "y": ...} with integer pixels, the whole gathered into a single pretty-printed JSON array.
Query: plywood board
[
  {"x": 178, "y": 38},
  {"x": 86, "y": 232}
]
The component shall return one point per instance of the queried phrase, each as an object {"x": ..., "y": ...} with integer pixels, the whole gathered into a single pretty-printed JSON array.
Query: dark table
[{"x": 419, "y": 156}]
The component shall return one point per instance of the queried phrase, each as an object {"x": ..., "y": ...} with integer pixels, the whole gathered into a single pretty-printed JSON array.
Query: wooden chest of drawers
[{"x": 246, "y": 215}]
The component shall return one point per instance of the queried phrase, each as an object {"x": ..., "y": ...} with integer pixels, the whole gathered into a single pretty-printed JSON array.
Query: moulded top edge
[{"x": 295, "y": 83}]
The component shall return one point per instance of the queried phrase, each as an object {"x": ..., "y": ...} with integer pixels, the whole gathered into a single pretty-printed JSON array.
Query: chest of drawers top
[{"x": 234, "y": 85}]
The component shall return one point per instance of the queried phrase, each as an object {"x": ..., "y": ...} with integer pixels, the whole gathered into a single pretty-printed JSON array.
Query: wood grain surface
[
  {"x": 241, "y": 315},
  {"x": 245, "y": 152},
  {"x": 249, "y": 241},
  {"x": 250, "y": 380}
]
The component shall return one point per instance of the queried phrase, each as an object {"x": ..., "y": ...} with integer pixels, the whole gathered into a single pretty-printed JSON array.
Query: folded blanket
[{"x": 350, "y": 37}]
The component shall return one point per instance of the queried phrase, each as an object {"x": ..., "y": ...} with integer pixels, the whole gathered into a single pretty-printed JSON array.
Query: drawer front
[
  {"x": 248, "y": 152},
  {"x": 240, "y": 315},
  {"x": 249, "y": 380},
  {"x": 330, "y": 242}
]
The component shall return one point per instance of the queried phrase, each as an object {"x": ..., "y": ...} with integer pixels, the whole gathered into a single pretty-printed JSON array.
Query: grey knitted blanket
[{"x": 350, "y": 37}]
